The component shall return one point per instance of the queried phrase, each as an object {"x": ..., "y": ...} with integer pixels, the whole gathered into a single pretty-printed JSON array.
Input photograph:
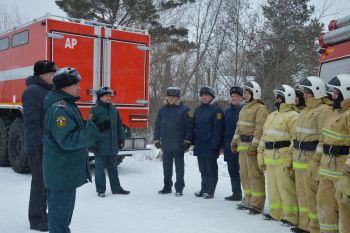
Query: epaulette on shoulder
[{"x": 61, "y": 104}]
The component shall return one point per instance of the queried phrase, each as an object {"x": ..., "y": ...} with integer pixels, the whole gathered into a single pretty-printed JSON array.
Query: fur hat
[
  {"x": 43, "y": 67},
  {"x": 173, "y": 91},
  {"x": 66, "y": 77},
  {"x": 236, "y": 90},
  {"x": 207, "y": 91}
]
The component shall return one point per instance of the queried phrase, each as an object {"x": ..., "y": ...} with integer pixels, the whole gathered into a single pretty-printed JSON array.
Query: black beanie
[{"x": 43, "y": 67}]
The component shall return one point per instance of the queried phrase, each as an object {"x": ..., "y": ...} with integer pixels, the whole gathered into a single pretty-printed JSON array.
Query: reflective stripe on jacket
[
  {"x": 250, "y": 122},
  {"x": 279, "y": 126}
]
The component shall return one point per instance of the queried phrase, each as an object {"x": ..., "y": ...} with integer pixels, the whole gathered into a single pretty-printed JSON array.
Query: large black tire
[
  {"x": 19, "y": 162},
  {"x": 4, "y": 156}
]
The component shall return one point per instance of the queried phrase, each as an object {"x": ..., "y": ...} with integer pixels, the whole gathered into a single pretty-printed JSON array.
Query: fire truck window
[
  {"x": 330, "y": 69},
  {"x": 20, "y": 39},
  {"x": 4, "y": 43}
]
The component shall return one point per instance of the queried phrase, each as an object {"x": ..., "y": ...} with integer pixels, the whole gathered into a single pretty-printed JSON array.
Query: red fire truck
[
  {"x": 103, "y": 54},
  {"x": 335, "y": 49}
]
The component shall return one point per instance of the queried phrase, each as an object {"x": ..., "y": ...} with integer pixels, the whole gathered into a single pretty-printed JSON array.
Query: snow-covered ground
[{"x": 144, "y": 210}]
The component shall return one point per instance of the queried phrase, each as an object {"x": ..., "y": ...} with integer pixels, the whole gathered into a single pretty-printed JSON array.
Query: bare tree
[
  {"x": 10, "y": 17},
  {"x": 204, "y": 23}
]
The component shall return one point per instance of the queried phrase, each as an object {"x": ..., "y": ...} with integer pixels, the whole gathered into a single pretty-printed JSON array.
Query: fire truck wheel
[
  {"x": 18, "y": 160},
  {"x": 4, "y": 157}
]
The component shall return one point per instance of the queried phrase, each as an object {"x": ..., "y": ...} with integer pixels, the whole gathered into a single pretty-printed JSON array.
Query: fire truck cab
[
  {"x": 335, "y": 49},
  {"x": 103, "y": 54}
]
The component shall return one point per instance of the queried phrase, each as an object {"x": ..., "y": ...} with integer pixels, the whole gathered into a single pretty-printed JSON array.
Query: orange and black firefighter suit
[
  {"x": 335, "y": 140},
  {"x": 246, "y": 141},
  {"x": 308, "y": 130},
  {"x": 279, "y": 130}
]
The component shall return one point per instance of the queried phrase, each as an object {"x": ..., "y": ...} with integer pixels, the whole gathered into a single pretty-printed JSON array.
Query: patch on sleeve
[
  {"x": 61, "y": 121},
  {"x": 219, "y": 116}
]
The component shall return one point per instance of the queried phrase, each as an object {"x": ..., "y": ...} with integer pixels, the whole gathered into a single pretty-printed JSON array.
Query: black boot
[
  {"x": 164, "y": 191},
  {"x": 286, "y": 223},
  {"x": 268, "y": 217},
  {"x": 121, "y": 191},
  {"x": 234, "y": 197},
  {"x": 241, "y": 207},
  {"x": 199, "y": 194},
  {"x": 178, "y": 193},
  {"x": 253, "y": 211},
  {"x": 43, "y": 226},
  {"x": 298, "y": 230},
  {"x": 208, "y": 196}
]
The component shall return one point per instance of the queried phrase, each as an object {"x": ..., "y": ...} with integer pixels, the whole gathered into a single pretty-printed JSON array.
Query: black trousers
[
  {"x": 38, "y": 196},
  {"x": 208, "y": 168},
  {"x": 233, "y": 170},
  {"x": 168, "y": 158},
  {"x": 61, "y": 207}
]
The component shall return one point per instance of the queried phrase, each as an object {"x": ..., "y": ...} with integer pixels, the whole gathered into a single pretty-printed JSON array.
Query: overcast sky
[{"x": 37, "y": 8}]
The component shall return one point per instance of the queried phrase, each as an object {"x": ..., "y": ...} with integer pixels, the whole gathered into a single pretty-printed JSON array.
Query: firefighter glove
[
  {"x": 187, "y": 145},
  {"x": 103, "y": 125},
  {"x": 261, "y": 163},
  {"x": 289, "y": 172},
  {"x": 157, "y": 144},
  {"x": 234, "y": 147},
  {"x": 312, "y": 169},
  {"x": 342, "y": 190},
  {"x": 252, "y": 151}
]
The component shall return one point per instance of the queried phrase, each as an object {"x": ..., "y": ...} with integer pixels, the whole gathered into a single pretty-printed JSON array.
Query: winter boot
[
  {"x": 178, "y": 193},
  {"x": 199, "y": 194},
  {"x": 121, "y": 191},
  {"x": 253, "y": 211},
  {"x": 164, "y": 191},
  {"x": 43, "y": 226},
  {"x": 208, "y": 196},
  {"x": 286, "y": 223},
  {"x": 101, "y": 194},
  {"x": 268, "y": 217},
  {"x": 241, "y": 207},
  {"x": 298, "y": 230},
  {"x": 234, "y": 197}
]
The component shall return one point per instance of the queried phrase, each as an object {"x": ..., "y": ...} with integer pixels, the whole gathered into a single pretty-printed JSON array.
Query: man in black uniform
[
  {"x": 208, "y": 139},
  {"x": 33, "y": 97},
  {"x": 173, "y": 133}
]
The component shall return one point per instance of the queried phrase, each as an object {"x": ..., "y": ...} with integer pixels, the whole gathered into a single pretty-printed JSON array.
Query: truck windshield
[{"x": 329, "y": 70}]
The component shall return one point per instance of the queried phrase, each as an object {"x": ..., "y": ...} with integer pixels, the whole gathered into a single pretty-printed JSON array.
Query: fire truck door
[
  {"x": 125, "y": 72},
  {"x": 82, "y": 53}
]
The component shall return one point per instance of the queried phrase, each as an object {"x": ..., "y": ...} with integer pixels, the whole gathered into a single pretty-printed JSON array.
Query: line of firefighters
[
  {"x": 304, "y": 150},
  {"x": 305, "y": 155}
]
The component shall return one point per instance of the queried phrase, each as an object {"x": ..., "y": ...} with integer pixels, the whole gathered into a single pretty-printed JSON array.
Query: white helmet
[
  {"x": 342, "y": 83},
  {"x": 254, "y": 88},
  {"x": 287, "y": 92},
  {"x": 315, "y": 84}
]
